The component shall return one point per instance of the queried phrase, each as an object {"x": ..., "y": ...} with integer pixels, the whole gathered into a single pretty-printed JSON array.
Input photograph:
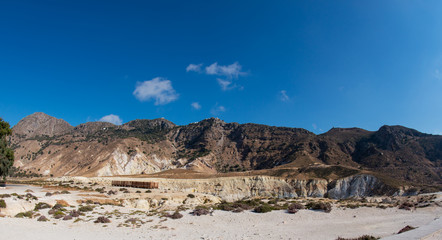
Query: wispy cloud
[
  {"x": 196, "y": 105},
  {"x": 283, "y": 96},
  {"x": 230, "y": 71},
  {"x": 159, "y": 89},
  {"x": 217, "y": 109},
  {"x": 111, "y": 118},
  {"x": 225, "y": 84},
  {"x": 194, "y": 67},
  {"x": 314, "y": 126}
]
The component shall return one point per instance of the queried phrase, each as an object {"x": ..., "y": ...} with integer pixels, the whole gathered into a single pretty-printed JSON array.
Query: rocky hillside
[{"x": 49, "y": 146}]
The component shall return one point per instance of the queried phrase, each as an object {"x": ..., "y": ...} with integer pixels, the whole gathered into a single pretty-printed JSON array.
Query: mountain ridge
[{"x": 214, "y": 146}]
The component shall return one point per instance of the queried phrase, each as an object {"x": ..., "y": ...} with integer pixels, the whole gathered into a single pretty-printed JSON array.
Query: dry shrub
[
  {"x": 74, "y": 213},
  {"x": 175, "y": 215},
  {"x": 87, "y": 208},
  {"x": 28, "y": 214},
  {"x": 63, "y": 203},
  {"x": 406, "y": 206},
  {"x": 42, "y": 219},
  {"x": 263, "y": 208},
  {"x": 326, "y": 207},
  {"x": 406, "y": 228},
  {"x": 200, "y": 211},
  {"x": 295, "y": 207},
  {"x": 41, "y": 205},
  {"x": 2, "y": 203},
  {"x": 102, "y": 220},
  {"x": 364, "y": 237}
]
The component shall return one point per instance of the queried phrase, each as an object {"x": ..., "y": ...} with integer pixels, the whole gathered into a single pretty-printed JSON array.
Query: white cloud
[
  {"x": 194, "y": 67},
  {"x": 225, "y": 84},
  {"x": 283, "y": 96},
  {"x": 230, "y": 71},
  {"x": 196, "y": 106},
  {"x": 111, "y": 118},
  {"x": 158, "y": 88},
  {"x": 314, "y": 126},
  {"x": 217, "y": 110}
]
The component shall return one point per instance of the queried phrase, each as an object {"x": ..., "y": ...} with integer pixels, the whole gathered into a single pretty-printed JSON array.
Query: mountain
[
  {"x": 41, "y": 124},
  {"x": 49, "y": 146}
]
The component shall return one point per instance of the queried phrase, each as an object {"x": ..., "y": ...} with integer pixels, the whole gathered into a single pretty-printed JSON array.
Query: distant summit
[{"x": 40, "y": 123}]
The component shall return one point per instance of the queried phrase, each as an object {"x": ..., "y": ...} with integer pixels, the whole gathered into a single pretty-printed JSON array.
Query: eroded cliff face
[{"x": 236, "y": 188}]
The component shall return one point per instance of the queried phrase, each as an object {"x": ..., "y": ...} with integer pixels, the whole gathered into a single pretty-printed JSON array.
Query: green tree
[{"x": 6, "y": 154}]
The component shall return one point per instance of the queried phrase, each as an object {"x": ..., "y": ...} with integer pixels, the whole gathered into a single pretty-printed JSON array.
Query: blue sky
[{"x": 309, "y": 64}]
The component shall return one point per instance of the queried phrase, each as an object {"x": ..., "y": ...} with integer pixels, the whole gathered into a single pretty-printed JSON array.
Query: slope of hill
[{"x": 49, "y": 146}]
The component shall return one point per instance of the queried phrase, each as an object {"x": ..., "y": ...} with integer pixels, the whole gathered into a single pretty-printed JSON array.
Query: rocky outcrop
[{"x": 354, "y": 186}]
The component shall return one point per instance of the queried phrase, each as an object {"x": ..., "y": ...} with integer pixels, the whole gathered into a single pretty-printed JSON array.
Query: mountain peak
[{"x": 40, "y": 123}]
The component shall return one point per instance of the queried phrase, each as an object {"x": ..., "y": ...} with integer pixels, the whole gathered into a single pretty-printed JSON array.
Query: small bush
[
  {"x": 30, "y": 197},
  {"x": 102, "y": 220},
  {"x": 87, "y": 208},
  {"x": 57, "y": 206},
  {"x": 138, "y": 191},
  {"x": 190, "y": 195},
  {"x": 41, "y": 205},
  {"x": 364, "y": 237},
  {"x": 175, "y": 215},
  {"x": 27, "y": 214},
  {"x": 406, "y": 228},
  {"x": 406, "y": 206},
  {"x": 263, "y": 208},
  {"x": 148, "y": 191},
  {"x": 48, "y": 194},
  {"x": 65, "y": 192},
  {"x": 63, "y": 203},
  {"x": 42, "y": 219},
  {"x": 5, "y": 195},
  {"x": 111, "y": 192},
  {"x": 67, "y": 217},
  {"x": 294, "y": 207},
  {"x": 326, "y": 207},
  {"x": 58, "y": 214},
  {"x": 2, "y": 203},
  {"x": 74, "y": 213},
  {"x": 200, "y": 211}
]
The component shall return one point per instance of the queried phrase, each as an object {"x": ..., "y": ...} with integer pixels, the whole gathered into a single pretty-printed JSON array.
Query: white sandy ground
[{"x": 305, "y": 224}]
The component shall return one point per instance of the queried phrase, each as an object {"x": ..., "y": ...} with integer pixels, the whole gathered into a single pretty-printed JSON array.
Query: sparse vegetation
[
  {"x": 364, "y": 237},
  {"x": 2, "y": 203},
  {"x": 42, "y": 219},
  {"x": 326, "y": 207},
  {"x": 295, "y": 207},
  {"x": 87, "y": 208},
  {"x": 200, "y": 210},
  {"x": 27, "y": 214},
  {"x": 190, "y": 195},
  {"x": 175, "y": 215},
  {"x": 41, "y": 205},
  {"x": 102, "y": 220},
  {"x": 263, "y": 208},
  {"x": 406, "y": 228}
]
